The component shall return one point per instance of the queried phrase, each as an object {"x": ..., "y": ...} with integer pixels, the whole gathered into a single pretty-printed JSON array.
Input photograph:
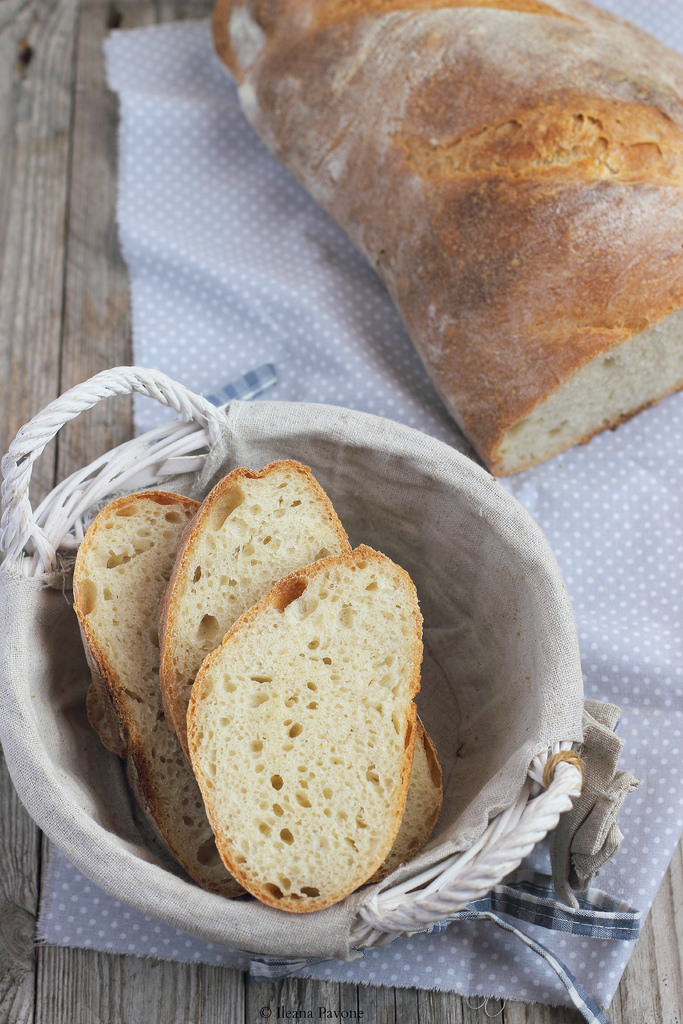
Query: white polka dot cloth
[{"x": 231, "y": 266}]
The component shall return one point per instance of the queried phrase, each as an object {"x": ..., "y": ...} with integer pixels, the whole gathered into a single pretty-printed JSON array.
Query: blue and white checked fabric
[
  {"x": 249, "y": 385},
  {"x": 526, "y": 896}
]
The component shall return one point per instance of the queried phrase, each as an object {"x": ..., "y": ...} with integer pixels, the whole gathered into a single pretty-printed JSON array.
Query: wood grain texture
[
  {"x": 37, "y": 41},
  {"x": 77, "y": 986},
  {"x": 19, "y": 864},
  {"x": 64, "y": 315},
  {"x": 37, "y": 45},
  {"x": 651, "y": 988},
  {"x": 96, "y": 329}
]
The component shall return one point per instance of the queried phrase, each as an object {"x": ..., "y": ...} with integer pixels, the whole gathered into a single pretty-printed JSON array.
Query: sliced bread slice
[
  {"x": 302, "y": 727},
  {"x": 251, "y": 530},
  {"x": 423, "y": 804},
  {"x": 121, "y": 571},
  {"x": 101, "y": 714}
]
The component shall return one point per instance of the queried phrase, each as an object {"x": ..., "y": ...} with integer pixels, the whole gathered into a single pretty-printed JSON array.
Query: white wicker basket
[{"x": 31, "y": 540}]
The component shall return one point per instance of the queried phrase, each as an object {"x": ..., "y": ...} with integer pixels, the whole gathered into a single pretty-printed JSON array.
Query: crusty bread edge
[
  {"x": 220, "y": 18},
  {"x": 94, "y": 653},
  {"x": 285, "y": 591},
  {"x": 103, "y": 675},
  {"x": 103, "y": 718},
  {"x": 422, "y": 736}
]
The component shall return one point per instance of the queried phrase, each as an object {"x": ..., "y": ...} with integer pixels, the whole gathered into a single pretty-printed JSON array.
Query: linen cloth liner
[
  {"x": 501, "y": 675},
  {"x": 588, "y": 836}
]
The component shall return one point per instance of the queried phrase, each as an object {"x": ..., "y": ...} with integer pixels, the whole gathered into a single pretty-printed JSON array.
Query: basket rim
[{"x": 394, "y": 910}]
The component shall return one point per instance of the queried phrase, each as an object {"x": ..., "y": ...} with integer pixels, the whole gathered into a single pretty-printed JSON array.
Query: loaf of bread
[
  {"x": 513, "y": 170},
  {"x": 251, "y": 530},
  {"x": 122, "y": 568},
  {"x": 301, "y": 729}
]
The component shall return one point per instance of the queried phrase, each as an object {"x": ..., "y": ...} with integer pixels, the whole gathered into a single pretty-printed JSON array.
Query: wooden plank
[
  {"x": 97, "y": 305},
  {"x": 82, "y": 986},
  {"x": 71, "y": 984},
  {"x": 87, "y": 987},
  {"x": 534, "y": 1013},
  {"x": 667, "y": 923},
  {"x": 638, "y": 996},
  {"x": 19, "y": 853},
  {"x": 651, "y": 988},
  {"x": 451, "y": 1009},
  {"x": 378, "y": 1004},
  {"x": 407, "y": 1003},
  {"x": 36, "y": 58},
  {"x": 36, "y": 104},
  {"x": 310, "y": 998},
  {"x": 222, "y": 995}
]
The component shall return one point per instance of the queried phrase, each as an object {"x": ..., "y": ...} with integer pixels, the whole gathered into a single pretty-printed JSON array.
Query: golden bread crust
[{"x": 513, "y": 171}]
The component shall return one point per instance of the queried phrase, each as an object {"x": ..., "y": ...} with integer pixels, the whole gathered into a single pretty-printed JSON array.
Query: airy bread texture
[
  {"x": 251, "y": 530},
  {"x": 122, "y": 568},
  {"x": 423, "y": 803},
  {"x": 513, "y": 170},
  {"x": 302, "y": 727}
]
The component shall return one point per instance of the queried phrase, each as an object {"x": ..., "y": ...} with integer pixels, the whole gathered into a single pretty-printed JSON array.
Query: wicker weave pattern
[
  {"x": 424, "y": 900},
  {"x": 49, "y": 528}
]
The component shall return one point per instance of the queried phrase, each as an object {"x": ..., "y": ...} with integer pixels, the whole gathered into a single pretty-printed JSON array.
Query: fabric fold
[{"x": 588, "y": 835}]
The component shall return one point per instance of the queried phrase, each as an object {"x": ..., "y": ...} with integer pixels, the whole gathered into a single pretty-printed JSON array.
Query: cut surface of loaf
[
  {"x": 252, "y": 529},
  {"x": 302, "y": 729},
  {"x": 122, "y": 568},
  {"x": 423, "y": 803},
  {"x": 519, "y": 191}
]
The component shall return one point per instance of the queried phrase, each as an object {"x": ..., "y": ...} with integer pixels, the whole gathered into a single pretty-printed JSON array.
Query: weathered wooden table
[{"x": 64, "y": 315}]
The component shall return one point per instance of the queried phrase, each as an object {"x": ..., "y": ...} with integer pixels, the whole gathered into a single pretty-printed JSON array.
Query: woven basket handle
[{"x": 18, "y": 525}]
